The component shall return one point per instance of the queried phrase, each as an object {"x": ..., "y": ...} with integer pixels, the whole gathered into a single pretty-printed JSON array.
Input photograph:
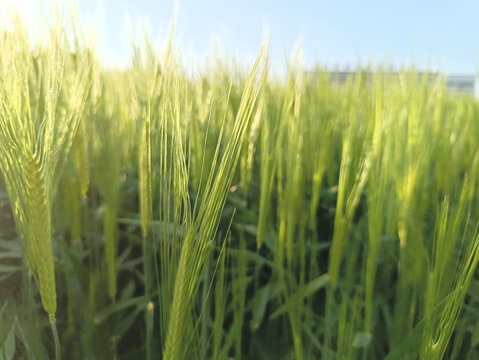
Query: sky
[{"x": 432, "y": 35}]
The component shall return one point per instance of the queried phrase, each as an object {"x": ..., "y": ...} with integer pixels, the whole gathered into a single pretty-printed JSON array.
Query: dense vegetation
[{"x": 151, "y": 213}]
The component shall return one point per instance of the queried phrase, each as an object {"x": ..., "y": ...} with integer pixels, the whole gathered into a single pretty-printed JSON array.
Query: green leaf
[
  {"x": 475, "y": 335},
  {"x": 9, "y": 268},
  {"x": 303, "y": 292},
  {"x": 9, "y": 346},
  {"x": 262, "y": 297},
  {"x": 362, "y": 339},
  {"x": 412, "y": 342},
  {"x": 139, "y": 302}
]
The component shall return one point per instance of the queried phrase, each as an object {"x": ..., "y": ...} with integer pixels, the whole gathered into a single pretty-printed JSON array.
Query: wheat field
[{"x": 152, "y": 213}]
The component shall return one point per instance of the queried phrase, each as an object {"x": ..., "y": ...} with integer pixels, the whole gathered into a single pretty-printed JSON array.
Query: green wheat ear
[
  {"x": 39, "y": 239},
  {"x": 40, "y": 109},
  {"x": 202, "y": 231}
]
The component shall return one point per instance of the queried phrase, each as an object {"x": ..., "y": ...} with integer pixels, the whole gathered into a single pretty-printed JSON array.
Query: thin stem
[
  {"x": 56, "y": 339},
  {"x": 147, "y": 269}
]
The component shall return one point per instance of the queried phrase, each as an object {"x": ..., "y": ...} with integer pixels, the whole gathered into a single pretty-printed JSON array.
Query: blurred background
[{"x": 436, "y": 36}]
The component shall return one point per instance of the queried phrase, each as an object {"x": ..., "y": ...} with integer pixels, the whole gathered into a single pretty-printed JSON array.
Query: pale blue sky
[{"x": 437, "y": 35}]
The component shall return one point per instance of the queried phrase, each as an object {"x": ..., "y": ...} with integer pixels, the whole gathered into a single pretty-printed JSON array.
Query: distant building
[
  {"x": 464, "y": 84},
  {"x": 458, "y": 84}
]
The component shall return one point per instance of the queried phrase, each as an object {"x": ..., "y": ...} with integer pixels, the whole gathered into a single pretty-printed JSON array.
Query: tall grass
[{"x": 228, "y": 213}]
